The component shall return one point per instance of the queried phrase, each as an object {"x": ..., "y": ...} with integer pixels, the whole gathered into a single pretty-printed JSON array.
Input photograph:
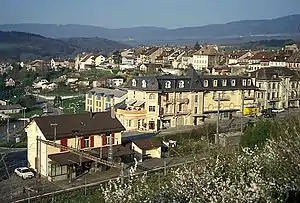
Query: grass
[
  {"x": 21, "y": 144},
  {"x": 95, "y": 74},
  {"x": 69, "y": 104}
]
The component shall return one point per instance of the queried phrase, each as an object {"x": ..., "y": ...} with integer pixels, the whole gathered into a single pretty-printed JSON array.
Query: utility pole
[
  {"x": 218, "y": 120},
  {"x": 242, "y": 106},
  {"x": 7, "y": 125},
  {"x": 110, "y": 150}
]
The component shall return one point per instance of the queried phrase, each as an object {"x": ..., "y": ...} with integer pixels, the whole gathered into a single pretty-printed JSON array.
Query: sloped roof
[{"x": 83, "y": 124}]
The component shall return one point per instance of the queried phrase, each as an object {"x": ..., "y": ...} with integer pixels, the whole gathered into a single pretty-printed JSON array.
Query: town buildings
[
  {"x": 279, "y": 87},
  {"x": 157, "y": 102}
]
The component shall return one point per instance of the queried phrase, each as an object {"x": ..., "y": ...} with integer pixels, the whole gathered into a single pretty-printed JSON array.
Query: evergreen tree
[{"x": 197, "y": 46}]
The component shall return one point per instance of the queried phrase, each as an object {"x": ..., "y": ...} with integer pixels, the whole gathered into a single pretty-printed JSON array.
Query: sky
[{"x": 132, "y": 13}]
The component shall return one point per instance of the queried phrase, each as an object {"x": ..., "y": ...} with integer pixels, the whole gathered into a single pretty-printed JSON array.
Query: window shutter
[
  {"x": 91, "y": 141},
  {"x": 103, "y": 140},
  {"x": 64, "y": 142},
  {"x": 113, "y": 138},
  {"x": 82, "y": 142}
]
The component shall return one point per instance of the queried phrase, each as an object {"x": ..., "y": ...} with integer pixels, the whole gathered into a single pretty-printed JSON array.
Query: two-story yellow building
[
  {"x": 65, "y": 146},
  {"x": 157, "y": 102},
  {"x": 101, "y": 99}
]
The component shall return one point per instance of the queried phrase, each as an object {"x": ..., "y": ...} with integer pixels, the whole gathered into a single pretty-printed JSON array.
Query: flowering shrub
[{"x": 257, "y": 174}]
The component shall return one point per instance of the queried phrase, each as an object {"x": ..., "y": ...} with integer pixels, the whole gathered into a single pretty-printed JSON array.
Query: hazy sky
[{"x": 130, "y": 13}]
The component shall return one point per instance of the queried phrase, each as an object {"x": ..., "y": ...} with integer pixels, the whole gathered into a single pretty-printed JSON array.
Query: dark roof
[
  {"x": 66, "y": 158},
  {"x": 263, "y": 55},
  {"x": 192, "y": 81},
  {"x": 84, "y": 124},
  {"x": 274, "y": 73},
  {"x": 146, "y": 144},
  {"x": 10, "y": 107},
  {"x": 294, "y": 58}
]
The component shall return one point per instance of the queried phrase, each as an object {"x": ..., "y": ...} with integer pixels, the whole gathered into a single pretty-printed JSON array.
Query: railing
[
  {"x": 79, "y": 153},
  {"x": 249, "y": 97},
  {"x": 133, "y": 111},
  {"x": 222, "y": 98},
  {"x": 182, "y": 100}
]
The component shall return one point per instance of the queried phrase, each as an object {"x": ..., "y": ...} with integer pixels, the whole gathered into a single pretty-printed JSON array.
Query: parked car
[
  {"x": 277, "y": 110},
  {"x": 24, "y": 172}
]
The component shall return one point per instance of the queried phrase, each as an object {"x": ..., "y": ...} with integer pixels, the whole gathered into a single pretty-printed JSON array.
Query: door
[{"x": 151, "y": 125}]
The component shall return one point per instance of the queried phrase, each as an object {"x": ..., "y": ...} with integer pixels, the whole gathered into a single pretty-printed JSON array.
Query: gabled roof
[
  {"x": 106, "y": 91},
  {"x": 147, "y": 144},
  {"x": 84, "y": 124},
  {"x": 207, "y": 50}
]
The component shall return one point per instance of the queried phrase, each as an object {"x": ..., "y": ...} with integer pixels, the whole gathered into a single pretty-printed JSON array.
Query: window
[
  {"x": 196, "y": 98},
  {"x": 215, "y": 83},
  {"x": 98, "y": 103},
  {"x": 233, "y": 83},
  {"x": 168, "y": 84},
  {"x": 107, "y": 105},
  {"x": 224, "y": 82},
  {"x": 151, "y": 96},
  {"x": 180, "y": 108},
  {"x": 108, "y": 98},
  {"x": 205, "y": 83},
  {"x": 86, "y": 142},
  {"x": 108, "y": 138},
  {"x": 151, "y": 108},
  {"x": 244, "y": 82},
  {"x": 249, "y": 82},
  {"x": 195, "y": 110},
  {"x": 57, "y": 170},
  {"x": 129, "y": 123},
  {"x": 181, "y": 84},
  {"x": 144, "y": 83},
  {"x": 134, "y": 82}
]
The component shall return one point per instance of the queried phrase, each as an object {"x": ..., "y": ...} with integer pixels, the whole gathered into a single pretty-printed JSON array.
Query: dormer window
[
  {"x": 249, "y": 82},
  {"x": 215, "y": 83},
  {"x": 244, "y": 82},
  {"x": 134, "y": 82},
  {"x": 205, "y": 83},
  {"x": 233, "y": 83},
  {"x": 168, "y": 84},
  {"x": 224, "y": 83},
  {"x": 144, "y": 83},
  {"x": 181, "y": 84}
]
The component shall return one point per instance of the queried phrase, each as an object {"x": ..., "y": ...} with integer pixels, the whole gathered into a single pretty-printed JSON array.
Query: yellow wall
[
  {"x": 98, "y": 104},
  {"x": 154, "y": 153}
]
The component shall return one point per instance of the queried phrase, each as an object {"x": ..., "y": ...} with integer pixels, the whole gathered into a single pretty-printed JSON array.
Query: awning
[
  {"x": 139, "y": 103},
  {"x": 130, "y": 102},
  {"x": 67, "y": 158}
]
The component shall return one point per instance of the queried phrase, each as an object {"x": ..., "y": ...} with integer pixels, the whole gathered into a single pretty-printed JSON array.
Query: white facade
[
  {"x": 99, "y": 60},
  {"x": 200, "y": 62}
]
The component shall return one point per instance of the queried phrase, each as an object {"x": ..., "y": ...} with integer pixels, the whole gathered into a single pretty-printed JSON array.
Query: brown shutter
[
  {"x": 82, "y": 142},
  {"x": 103, "y": 140},
  {"x": 64, "y": 142},
  {"x": 91, "y": 141}
]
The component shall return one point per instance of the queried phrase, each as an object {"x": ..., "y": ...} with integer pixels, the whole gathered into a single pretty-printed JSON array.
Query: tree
[
  {"x": 2, "y": 83},
  {"x": 197, "y": 46},
  {"x": 57, "y": 101},
  {"x": 28, "y": 101},
  {"x": 117, "y": 57}
]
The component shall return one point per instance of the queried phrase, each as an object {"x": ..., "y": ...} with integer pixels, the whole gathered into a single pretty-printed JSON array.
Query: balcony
[
  {"x": 184, "y": 112},
  {"x": 133, "y": 111},
  {"x": 222, "y": 98},
  {"x": 251, "y": 97},
  {"x": 182, "y": 100},
  {"x": 168, "y": 113}
]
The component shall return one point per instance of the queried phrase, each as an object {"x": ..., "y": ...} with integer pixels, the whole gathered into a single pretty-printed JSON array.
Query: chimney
[{"x": 112, "y": 112}]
